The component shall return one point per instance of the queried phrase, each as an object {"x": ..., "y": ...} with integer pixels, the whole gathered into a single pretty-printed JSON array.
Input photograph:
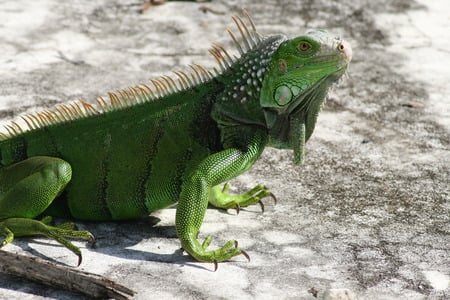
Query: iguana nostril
[{"x": 345, "y": 48}]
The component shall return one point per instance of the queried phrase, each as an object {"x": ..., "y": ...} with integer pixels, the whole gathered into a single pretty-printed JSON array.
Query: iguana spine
[{"x": 155, "y": 90}]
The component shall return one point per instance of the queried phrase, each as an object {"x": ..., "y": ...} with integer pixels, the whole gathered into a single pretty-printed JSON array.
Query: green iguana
[{"x": 174, "y": 140}]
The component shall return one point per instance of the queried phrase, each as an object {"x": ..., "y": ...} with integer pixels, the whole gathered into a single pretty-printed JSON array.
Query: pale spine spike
[
  {"x": 255, "y": 33},
  {"x": 134, "y": 94},
  {"x": 29, "y": 124},
  {"x": 56, "y": 116},
  {"x": 244, "y": 38},
  {"x": 123, "y": 98},
  {"x": 114, "y": 100},
  {"x": 228, "y": 59},
  {"x": 68, "y": 114},
  {"x": 248, "y": 36},
  {"x": 17, "y": 126},
  {"x": 201, "y": 75},
  {"x": 214, "y": 52},
  {"x": 196, "y": 77},
  {"x": 61, "y": 113},
  {"x": 182, "y": 81},
  {"x": 101, "y": 102},
  {"x": 172, "y": 86},
  {"x": 144, "y": 93},
  {"x": 77, "y": 111},
  {"x": 166, "y": 85},
  {"x": 203, "y": 72},
  {"x": 73, "y": 110},
  {"x": 158, "y": 87},
  {"x": 43, "y": 119},
  {"x": 10, "y": 130},
  {"x": 39, "y": 120},
  {"x": 152, "y": 94},
  {"x": 163, "y": 86},
  {"x": 129, "y": 95},
  {"x": 69, "y": 110},
  {"x": 190, "y": 82},
  {"x": 178, "y": 87},
  {"x": 34, "y": 120},
  {"x": 90, "y": 110},
  {"x": 236, "y": 43},
  {"x": 48, "y": 116}
]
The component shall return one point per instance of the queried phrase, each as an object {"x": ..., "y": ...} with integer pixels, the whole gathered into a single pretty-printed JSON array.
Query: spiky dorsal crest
[{"x": 154, "y": 90}]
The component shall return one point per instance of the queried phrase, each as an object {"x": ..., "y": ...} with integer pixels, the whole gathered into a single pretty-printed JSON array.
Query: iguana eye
[{"x": 304, "y": 46}]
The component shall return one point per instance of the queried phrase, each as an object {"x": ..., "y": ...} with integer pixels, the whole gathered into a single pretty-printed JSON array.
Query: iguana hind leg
[{"x": 27, "y": 188}]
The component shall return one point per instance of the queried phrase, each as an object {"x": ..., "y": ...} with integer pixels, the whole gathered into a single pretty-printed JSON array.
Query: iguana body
[{"x": 174, "y": 142}]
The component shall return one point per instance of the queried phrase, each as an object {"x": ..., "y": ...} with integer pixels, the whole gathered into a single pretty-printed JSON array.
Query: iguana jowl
[{"x": 174, "y": 140}]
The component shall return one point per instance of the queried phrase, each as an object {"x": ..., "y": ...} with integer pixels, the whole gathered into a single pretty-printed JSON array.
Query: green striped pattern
[{"x": 127, "y": 162}]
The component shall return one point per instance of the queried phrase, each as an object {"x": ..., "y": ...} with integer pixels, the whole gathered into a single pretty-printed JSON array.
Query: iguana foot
[
  {"x": 200, "y": 252},
  {"x": 28, "y": 227},
  {"x": 220, "y": 198}
]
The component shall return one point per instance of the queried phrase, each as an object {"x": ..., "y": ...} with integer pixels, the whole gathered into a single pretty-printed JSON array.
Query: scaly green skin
[{"x": 125, "y": 163}]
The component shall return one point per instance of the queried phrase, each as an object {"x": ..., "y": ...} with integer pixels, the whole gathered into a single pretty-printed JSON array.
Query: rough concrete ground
[{"x": 369, "y": 210}]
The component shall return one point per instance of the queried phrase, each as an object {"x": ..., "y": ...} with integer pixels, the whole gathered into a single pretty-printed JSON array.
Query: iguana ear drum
[{"x": 283, "y": 95}]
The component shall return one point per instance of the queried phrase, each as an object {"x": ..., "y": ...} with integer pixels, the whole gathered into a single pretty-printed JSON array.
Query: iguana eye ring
[{"x": 304, "y": 46}]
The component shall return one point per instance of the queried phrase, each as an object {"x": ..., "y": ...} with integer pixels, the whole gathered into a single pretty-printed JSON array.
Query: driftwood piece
[{"x": 53, "y": 275}]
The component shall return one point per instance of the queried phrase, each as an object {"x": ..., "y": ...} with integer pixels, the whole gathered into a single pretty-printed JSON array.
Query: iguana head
[{"x": 296, "y": 83}]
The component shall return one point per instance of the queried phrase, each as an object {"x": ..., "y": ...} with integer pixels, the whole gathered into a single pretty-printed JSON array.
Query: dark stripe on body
[
  {"x": 104, "y": 171},
  {"x": 18, "y": 149},
  {"x": 149, "y": 154},
  {"x": 1, "y": 158},
  {"x": 53, "y": 148},
  {"x": 181, "y": 165}
]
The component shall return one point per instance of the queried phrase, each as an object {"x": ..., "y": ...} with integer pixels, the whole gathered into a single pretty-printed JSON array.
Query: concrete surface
[{"x": 369, "y": 210}]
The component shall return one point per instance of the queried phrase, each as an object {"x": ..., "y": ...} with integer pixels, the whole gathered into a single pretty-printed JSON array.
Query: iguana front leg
[
  {"x": 27, "y": 188},
  {"x": 216, "y": 168}
]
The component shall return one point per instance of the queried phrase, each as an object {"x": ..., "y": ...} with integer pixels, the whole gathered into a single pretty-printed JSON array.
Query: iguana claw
[
  {"x": 238, "y": 208},
  {"x": 91, "y": 242},
  {"x": 246, "y": 255},
  {"x": 261, "y": 204},
  {"x": 236, "y": 245},
  {"x": 271, "y": 195}
]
